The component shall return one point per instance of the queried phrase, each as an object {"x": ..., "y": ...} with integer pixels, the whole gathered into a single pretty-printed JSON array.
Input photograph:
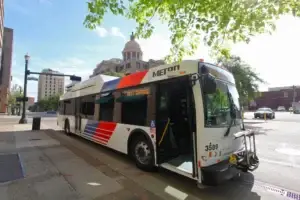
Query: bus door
[
  {"x": 175, "y": 127},
  {"x": 77, "y": 115}
]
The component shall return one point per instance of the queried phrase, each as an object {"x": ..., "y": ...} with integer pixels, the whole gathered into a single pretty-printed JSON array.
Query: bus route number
[{"x": 211, "y": 147}]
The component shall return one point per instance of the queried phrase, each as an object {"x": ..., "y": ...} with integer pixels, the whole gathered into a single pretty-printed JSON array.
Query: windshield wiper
[
  {"x": 232, "y": 110},
  {"x": 229, "y": 127}
]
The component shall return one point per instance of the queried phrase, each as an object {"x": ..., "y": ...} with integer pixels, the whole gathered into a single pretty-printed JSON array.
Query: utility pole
[
  {"x": 23, "y": 119},
  {"x": 27, "y": 72},
  {"x": 294, "y": 93}
]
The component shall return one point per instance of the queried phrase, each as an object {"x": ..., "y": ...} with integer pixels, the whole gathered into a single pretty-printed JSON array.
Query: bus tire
[
  {"x": 142, "y": 152},
  {"x": 67, "y": 128}
]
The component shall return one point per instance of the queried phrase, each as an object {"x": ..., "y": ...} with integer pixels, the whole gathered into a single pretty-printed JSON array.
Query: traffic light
[{"x": 75, "y": 78}]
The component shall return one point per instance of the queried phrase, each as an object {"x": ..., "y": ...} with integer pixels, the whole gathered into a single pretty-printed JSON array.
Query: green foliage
[
  {"x": 217, "y": 102},
  {"x": 116, "y": 74},
  {"x": 15, "y": 91},
  {"x": 49, "y": 104},
  {"x": 247, "y": 80},
  {"x": 189, "y": 21}
]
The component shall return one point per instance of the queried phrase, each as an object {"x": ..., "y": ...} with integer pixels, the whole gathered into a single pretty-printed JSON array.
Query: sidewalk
[{"x": 36, "y": 166}]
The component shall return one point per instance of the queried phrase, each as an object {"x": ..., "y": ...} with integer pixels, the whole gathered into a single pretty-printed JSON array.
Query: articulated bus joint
[{"x": 247, "y": 160}]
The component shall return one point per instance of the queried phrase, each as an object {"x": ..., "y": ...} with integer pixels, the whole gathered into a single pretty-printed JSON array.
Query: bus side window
[
  {"x": 68, "y": 108},
  {"x": 88, "y": 106},
  {"x": 106, "y": 111},
  {"x": 134, "y": 113}
]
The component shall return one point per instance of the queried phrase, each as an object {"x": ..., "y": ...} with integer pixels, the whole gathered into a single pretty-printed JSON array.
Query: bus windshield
[{"x": 220, "y": 105}]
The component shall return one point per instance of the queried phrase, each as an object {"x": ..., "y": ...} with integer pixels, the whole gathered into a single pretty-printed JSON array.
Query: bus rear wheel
[
  {"x": 143, "y": 153},
  {"x": 67, "y": 128}
]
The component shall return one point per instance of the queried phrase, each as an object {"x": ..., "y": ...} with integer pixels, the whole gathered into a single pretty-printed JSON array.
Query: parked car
[
  {"x": 281, "y": 108},
  {"x": 259, "y": 113}
]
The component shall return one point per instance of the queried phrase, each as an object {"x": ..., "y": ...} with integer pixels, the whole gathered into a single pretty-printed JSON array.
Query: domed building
[{"x": 132, "y": 60}]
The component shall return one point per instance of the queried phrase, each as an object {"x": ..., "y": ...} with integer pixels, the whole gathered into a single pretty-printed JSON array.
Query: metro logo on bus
[{"x": 164, "y": 71}]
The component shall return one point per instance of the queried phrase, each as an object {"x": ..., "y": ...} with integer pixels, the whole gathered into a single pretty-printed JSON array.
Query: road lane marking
[
  {"x": 176, "y": 193},
  {"x": 280, "y": 163}
]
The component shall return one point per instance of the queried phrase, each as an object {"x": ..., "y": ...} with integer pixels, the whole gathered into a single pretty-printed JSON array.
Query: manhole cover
[
  {"x": 288, "y": 151},
  {"x": 10, "y": 167}
]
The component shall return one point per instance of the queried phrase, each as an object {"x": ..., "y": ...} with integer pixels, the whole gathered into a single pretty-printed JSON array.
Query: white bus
[{"x": 182, "y": 117}]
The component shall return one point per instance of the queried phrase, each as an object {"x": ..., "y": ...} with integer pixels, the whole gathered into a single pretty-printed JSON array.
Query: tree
[
  {"x": 50, "y": 103},
  {"x": 215, "y": 22},
  {"x": 15, "y": 92},
  {"x": 111, "y": 73},
  {"x": 247, "y": 80}
]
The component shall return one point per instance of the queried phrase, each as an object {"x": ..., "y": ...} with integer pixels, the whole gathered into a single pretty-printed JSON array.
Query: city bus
[{"x": 183, "y": 117}]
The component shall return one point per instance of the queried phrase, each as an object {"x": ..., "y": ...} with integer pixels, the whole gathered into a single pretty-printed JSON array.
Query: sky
[{"x": 52, "y": 33}]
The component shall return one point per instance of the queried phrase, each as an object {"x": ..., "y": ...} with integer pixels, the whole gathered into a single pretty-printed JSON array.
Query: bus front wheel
[
  {"x": 67, "y": 128},
  {"x": 143, "y": 153}
]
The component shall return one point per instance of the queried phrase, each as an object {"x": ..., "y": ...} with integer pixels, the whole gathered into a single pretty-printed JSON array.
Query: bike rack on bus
[{"x": 247, "y": 159}]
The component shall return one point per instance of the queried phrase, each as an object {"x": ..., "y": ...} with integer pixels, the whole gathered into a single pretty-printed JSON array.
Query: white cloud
[
  {"x": 102, "y": 32},
  {"x": 115, "y": 31},
  {"x": 275, "y": 57}
]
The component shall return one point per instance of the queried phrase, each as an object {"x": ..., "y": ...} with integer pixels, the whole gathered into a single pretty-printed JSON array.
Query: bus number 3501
[{"x": 211, "y": 147}]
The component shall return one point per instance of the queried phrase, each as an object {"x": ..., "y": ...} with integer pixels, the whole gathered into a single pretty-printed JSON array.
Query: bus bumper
[
  {"x": 244, "y": 160},
  {"x": 218, "y": 173}
]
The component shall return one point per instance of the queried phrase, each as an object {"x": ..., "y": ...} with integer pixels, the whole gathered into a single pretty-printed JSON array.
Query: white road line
[
  {"x": 280, "y": 163},
  {"x": 176, "y": 193}
]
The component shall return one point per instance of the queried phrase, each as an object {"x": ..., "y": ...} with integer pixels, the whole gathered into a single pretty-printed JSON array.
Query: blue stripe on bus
[
  {"x": 91, "y": 127},
  {"x": 110, "y": 85}
]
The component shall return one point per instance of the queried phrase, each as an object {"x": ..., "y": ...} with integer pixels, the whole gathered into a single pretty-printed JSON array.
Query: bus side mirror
[{"x": 209, "y": 84}]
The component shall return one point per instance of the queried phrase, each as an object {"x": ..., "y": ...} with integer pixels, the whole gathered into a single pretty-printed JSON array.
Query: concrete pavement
[{"x": 49, "y": 170}]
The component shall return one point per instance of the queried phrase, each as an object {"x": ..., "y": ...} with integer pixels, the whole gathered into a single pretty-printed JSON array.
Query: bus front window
[{"x": 218, "y": 105}]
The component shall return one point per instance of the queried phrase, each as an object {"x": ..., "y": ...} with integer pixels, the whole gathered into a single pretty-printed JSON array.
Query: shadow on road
[{"x": 239, "y": 188}]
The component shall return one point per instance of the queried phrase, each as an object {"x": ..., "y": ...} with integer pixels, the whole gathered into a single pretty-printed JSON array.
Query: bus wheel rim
[{"x": 142, "y": 152}]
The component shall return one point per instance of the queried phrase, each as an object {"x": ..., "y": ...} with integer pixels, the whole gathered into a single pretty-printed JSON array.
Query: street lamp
[{"x": 23, "y": 119}]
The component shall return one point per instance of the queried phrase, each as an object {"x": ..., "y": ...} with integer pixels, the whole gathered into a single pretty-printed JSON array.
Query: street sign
[
  {"x": 32, "y": 78},
  {"x": 75, "y": 78},
  {"x": 20, "y": 99}
]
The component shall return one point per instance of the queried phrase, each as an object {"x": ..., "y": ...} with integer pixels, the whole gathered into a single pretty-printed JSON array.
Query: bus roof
[{"x": 102, "y": 83}]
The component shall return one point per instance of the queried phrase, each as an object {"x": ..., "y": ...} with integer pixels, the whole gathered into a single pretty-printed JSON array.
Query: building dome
[
  {"x": 132, "y": 45},
  {"x": 132, "y": 50}
]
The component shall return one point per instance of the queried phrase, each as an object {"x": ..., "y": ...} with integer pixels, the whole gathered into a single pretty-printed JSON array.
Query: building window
[
  {"x": 128, "y": 55},
  {"x": 128, "y": 66},
  {"x": 138, "y": 65},
  {"x": 133, "y": 54},
  {"x": 138, "y": 55},
  {"x": 285, "y": 94}
]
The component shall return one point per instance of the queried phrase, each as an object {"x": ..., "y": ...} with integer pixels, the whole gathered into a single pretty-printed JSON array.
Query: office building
[
  {"x": 5, "y": 71},
  {"x": 132, "y": 60},
  {"x": 50, "y": 85}
]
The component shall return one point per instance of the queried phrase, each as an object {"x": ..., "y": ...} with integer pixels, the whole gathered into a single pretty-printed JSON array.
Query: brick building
[
  {"x": 5, "y": 71},
  {"x": 274, "y": 97}
]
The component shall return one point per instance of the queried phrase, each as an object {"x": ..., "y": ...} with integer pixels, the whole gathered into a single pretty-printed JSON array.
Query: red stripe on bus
[
  {"x": 104, "y": 131},
  {"x": 132, "y": 79}
]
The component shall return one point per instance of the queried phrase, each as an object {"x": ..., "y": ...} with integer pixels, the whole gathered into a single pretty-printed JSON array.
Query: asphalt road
[{"x": 278, "y": 144}]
